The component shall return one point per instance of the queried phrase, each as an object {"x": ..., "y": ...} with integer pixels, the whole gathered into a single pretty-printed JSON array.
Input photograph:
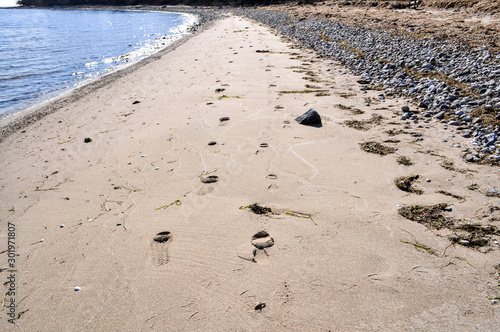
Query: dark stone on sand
[
  {"x": 87, "y": 140},
  {"x": 311, "y": 117},
  {"x": 363, "y": 81},
  {"x": 212, "y": 143},
  {"x": 219, "y": 90},
  {"x": 405, "y": 109},
  {"x": 225, "y": 118},
  {"x": 136, "y": 102}
]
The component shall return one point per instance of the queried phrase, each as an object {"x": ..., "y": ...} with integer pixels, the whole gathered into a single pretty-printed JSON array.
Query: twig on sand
[{"x": 176, "y": 202}]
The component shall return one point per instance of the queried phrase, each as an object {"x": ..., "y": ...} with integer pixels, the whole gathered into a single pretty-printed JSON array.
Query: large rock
[{"x": 311, "y": 118}]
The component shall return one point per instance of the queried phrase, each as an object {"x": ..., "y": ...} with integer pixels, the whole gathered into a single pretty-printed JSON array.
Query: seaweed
[
  {"x": 176, "y": 202},
  {"x": 473, "y": 186},
  {"x": 447, "y": 193},
  {"x": 405, "y": 183},
  {"x": 364, "y": 125},
  {"x": 257, "y": 209},
  {"x": 402, "y": 160},
  {"x": 474, "y": 235},
  {"x": 431, "y": 216},
  {"x": 469, "y": 235},
  {"x": 377, "y": 148},
  {"x": 420, "y": 246},
  {"x": 450, "y": 166}
]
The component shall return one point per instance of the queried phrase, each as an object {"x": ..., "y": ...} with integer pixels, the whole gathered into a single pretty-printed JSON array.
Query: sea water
[{"x": 46, "y": 52}]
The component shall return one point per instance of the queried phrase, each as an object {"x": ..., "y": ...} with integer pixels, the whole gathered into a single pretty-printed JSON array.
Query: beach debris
[
  {"x": 364, "y": 125},
  {"x": 136, "y": 102},
  {"x": 272, "y": 176},
  {"x": 402, "y": 160},
  {"x": 420, "y": 246},
  {"x": 262, "y": 240},
  {"x": 162, "y": 237},
  {"x": 176, "y": 202},
  {"x": 311, "y": 117},
  {"x": 377, "y": 148},
  {"x": 62, "y": 226},
  {"x": 431, "y": 216},
  {"x": 209, "y": 179},
  {"x": 264, "y": 145},
  {"x": 493, "y": 192},
  {"x": 87, "y": 140},
  {"x": 212, "y": 143},
  {"x": 259, "y": 306},
  {"x": 37, "y": 242},
  {"x": 472, "y": 235},
  {"x": 219, "y": 90},
  {"x": 78, "y": 288},
  {"x": 473, "y": 186},
  {"x": 224, "y": 119},
  {"x": 447, "y": 193},
  {"x": 405, "y": 183},
  {"x": 257, "y": 209}
]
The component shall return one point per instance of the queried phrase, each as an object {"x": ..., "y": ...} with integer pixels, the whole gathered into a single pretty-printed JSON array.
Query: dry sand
[{"x": 344, "y": 268}]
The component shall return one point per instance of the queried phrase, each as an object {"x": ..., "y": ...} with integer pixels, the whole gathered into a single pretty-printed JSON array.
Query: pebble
[{"x": 77, "y": 288}]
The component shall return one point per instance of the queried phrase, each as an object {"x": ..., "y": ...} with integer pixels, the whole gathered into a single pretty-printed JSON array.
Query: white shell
[{"x": 77, "y": 288}]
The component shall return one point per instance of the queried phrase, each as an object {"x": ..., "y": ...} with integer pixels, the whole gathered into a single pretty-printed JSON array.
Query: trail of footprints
[{"x": 261, "y": 240}]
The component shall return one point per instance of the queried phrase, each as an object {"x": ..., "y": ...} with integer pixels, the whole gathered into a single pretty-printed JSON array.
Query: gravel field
[{"x": 449, "y": 81}]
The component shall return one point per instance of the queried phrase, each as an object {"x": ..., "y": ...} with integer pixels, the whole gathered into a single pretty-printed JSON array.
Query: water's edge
[{"x": 17, "y": 121}]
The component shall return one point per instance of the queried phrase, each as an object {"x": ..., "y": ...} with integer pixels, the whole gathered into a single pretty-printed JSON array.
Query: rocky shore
[{"x": 449, "y": 81}]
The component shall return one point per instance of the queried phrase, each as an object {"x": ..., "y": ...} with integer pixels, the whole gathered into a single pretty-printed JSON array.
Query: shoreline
[{"x": 18, "y": 120}]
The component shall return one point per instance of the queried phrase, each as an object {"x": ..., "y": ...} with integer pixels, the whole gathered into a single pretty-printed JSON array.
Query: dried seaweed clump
[
  {"x": 431, "y": 216},
  {"x": 257, "y": 209},
  {"x": 405, "y": 183},
  {"x": 364, "y": 125},
  {"x": 468, "y": 235},
  {"x": 377, "y": 148},
  {"x": 474, "y": 235},
  {"x": 402, "y": 160}
]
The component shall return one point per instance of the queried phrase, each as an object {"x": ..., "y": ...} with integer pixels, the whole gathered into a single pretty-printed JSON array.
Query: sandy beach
[{"x": 119, "y": 193}]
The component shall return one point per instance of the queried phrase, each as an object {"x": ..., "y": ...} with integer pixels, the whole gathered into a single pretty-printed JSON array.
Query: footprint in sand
[
  {"x": 207, "y": 189},
  {"x": 159, "y": 248},
  {"x": 261, "y": 241}
]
